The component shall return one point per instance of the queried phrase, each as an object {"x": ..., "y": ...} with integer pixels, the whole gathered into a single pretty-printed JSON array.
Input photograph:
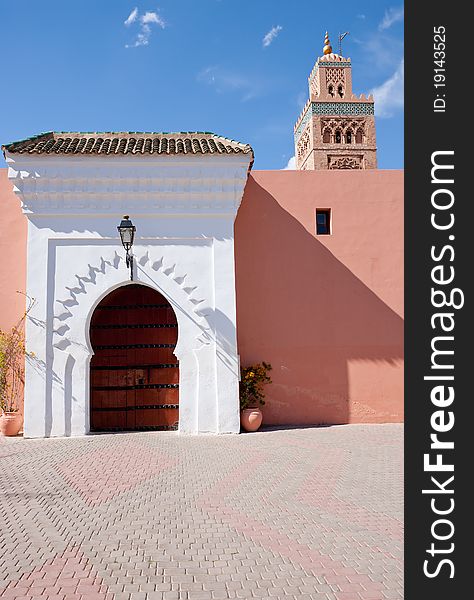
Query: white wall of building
[{"x": 184, "y": 209}]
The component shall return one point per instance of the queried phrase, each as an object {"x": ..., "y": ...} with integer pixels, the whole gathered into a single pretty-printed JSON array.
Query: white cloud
[
  {"x": 132, "y": 17},
  {"x": 384, "y": 50},
  {"x": 392, "y": 15},
  {"x": 153, "y": 17},
  {"x": 291, "y": 166},
  {"x": 389, "y": 95},
  {"x": 142, "y": 38},
  {"x": 146, "y": 20},
  {"x": 207, "y": 75},
  {"x": 225, "y": 81},
  {"x": 301, "y": 100},
  {"x": 271, "y": 35}
]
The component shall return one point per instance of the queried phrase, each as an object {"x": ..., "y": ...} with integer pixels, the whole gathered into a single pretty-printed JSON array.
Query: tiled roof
[{"x": 129, "y": 142}]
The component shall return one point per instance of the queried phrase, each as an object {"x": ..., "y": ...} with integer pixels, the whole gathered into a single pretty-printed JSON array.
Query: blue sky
[{"x": 238, "y": 68}]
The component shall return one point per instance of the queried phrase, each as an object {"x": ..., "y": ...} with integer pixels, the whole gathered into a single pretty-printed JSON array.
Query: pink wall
[
  {"x": 326, "y": 311},
  {"x": 13, "y": 232},
  {"x": 13, "y": 229}
]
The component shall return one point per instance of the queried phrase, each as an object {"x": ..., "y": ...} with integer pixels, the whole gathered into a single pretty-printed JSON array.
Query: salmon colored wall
[
  {"x": 13, "y": 228},
  {"x": 325, "y": 311},
  {"x": 13, "y": 234}
]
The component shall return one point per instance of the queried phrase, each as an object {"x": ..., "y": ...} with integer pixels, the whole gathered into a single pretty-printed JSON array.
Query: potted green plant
[
  {"x": 252, "y": 380},
  {"x": 12, "y": 371}
]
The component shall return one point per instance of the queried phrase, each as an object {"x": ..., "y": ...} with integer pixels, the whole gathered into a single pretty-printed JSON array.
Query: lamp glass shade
[{"x": 126, "y": 230}]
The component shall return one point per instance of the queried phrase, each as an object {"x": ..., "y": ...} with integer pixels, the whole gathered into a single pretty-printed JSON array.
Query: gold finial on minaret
[{"x": 327, "y": 45}]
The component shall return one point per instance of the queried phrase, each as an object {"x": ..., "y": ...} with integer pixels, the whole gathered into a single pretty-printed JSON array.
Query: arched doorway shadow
[{"x": 134, "y": 374}]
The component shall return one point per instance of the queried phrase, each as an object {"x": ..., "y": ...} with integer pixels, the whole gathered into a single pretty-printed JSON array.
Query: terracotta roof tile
[{"x": 114, "y": 143}]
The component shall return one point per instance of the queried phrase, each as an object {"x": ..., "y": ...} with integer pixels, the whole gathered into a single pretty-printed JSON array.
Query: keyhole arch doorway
[{"x": 134, "y": 374}]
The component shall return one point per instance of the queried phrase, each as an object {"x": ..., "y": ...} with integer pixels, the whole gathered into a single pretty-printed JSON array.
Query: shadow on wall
[{"x": 335, "y": 347}]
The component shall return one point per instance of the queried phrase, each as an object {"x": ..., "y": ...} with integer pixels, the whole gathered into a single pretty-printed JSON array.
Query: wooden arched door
[{"x": 134, "y": 374}]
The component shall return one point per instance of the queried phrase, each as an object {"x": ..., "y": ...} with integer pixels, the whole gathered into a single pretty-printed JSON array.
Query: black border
[{"x": 426, "y": 132}]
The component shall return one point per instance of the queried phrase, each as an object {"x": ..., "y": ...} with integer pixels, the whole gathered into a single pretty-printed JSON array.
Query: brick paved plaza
[{"x": 310, "y": 513}]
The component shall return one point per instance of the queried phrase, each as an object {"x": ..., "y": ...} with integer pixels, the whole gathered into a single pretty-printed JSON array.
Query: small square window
[{"x": 323, "y": 221}]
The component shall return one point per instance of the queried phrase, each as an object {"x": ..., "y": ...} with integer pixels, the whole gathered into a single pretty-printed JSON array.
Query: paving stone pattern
[{"x": 312, "y": 513}]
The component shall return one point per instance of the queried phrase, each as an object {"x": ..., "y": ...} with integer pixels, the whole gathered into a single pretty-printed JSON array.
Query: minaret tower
[{"x": 336, "y": 129}]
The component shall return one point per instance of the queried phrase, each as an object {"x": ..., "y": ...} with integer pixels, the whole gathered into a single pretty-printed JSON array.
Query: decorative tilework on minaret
[{"x": 336, "y": 129}]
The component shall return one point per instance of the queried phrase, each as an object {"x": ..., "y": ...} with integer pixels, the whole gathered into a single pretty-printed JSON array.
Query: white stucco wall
[{"x": 184, "y": 210}]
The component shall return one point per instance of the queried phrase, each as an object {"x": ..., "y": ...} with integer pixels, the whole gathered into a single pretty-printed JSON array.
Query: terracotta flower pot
[
  {"x": 251, "y": 419},
  {"x": 10, "y": 423}
]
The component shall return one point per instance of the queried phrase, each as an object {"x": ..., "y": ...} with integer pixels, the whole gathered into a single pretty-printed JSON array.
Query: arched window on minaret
[
  {"x": 331, "y": 90},
  {"x": 349, "y": 136},
  {"x": 340, "y": 91},
  {"x": 359, "y": 136},
  {"x": 327, "y": 136},
  {"x": 338, "y": 137}
]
